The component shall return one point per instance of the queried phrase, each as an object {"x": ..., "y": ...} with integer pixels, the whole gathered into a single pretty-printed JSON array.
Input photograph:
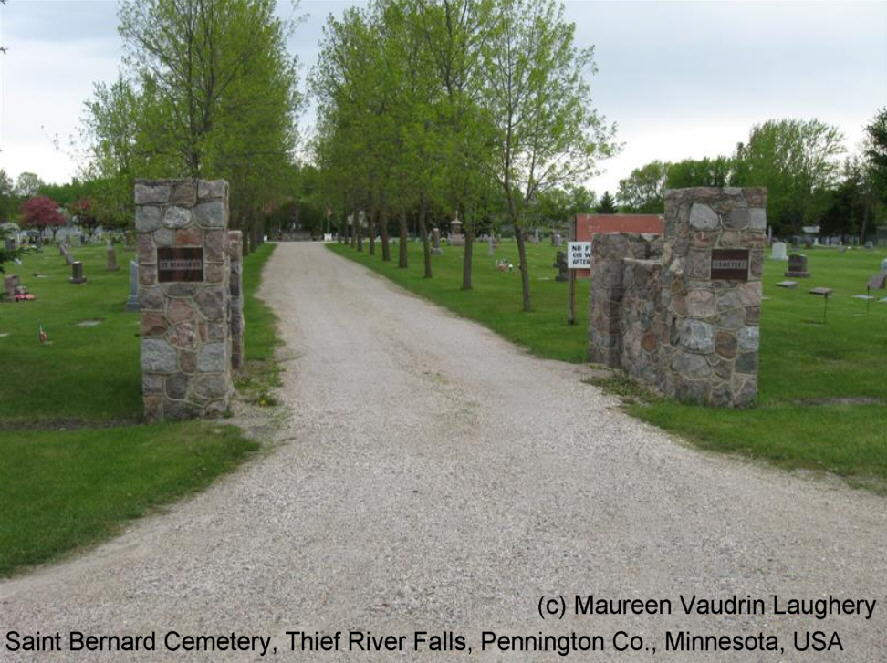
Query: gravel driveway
[{"x": 433, "y": 477}]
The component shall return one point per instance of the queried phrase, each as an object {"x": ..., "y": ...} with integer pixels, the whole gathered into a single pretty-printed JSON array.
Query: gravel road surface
[{"x": 433, "y": 477}]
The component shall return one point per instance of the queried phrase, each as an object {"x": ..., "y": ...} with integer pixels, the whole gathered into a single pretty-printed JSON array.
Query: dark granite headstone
[
  {"x": 77, "y": 272},
  {"x": 797, "y": 265},
  {"x": 563, "y": 272}
]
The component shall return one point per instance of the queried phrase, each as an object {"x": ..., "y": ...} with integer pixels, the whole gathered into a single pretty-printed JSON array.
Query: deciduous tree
[
  {"x": 41, "y": 212},
  {"x": 538, "y": 100},
  {"x": 793, "y": 159},
  {"x": 642, "y": 192}
]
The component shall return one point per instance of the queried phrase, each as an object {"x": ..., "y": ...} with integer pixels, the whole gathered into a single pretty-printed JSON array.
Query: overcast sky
[{"x": 681, "y": 80}]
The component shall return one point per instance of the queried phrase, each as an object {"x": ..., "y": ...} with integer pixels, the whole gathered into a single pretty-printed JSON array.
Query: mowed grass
[
  {"x": 62, "y": 490},
  {"x": 71, "y": 474},
  {"x": 495, "y": 299},
  {"x": 822, "y": 399},
  {"x": 82, "y": 373}
]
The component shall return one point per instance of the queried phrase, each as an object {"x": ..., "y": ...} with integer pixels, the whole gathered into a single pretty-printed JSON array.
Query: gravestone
[
  {"x": 456, "y": 237},
  {"x": 788, "y": 284},
  {"x": 435, "y": 242},
  {"x": 69, "y": 257},
  {"x": 491, "y": 245},
  {"x": 779, "y": 251},
  {"x": 563, "y": 272},
  {"x": 10, "y": 244},
  {"x": 558, "y": 240},
  {"x": 884, "y": 266},
  {"x": 77, "y": 273},
  {"x": 797, "y": 266},
  {"x": 877, "y": 281},
  {"x": 63, "y": 249},
  {"x": 112, "y": 259},
  {"x": 184, "y": 279},
  {"x": 132, "y": 304},
  {"x": 9, "y": 284}
]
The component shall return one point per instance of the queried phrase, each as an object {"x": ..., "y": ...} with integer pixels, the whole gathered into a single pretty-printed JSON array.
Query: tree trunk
[
  {"x": 383, "y": 229},
  {"x": 357, "y": 230},
  {"x": 402, "y": 257},
  {"x": 352, "y": 233},
  {"x": 426, "y": 245},
  {"x": 524, "y": 268},
  {"x": 371, "y": 229}
]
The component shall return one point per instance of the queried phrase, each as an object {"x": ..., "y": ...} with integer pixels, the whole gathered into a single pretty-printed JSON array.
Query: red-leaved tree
[{"x": 41, "y": 212}]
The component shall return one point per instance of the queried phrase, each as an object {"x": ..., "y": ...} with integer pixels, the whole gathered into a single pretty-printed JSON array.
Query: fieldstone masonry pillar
[
  {"x": 681, "y": 311},
  {"x": 235, "y": 254},
  {"x": 184, "y": 274},
  {"x": 713, "y": 257}
]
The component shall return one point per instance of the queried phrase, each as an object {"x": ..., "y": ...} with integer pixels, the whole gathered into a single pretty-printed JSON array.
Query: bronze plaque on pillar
[
  {"x": 729, "y": 264},
  {"x": 177, "y": 263}
]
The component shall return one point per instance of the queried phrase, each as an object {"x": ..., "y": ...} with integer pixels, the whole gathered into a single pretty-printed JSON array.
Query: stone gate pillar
[
  {"x": 712, "y": 263},
  {"x": 235, "y": 255},
  {"x": 184, "y": 273}
]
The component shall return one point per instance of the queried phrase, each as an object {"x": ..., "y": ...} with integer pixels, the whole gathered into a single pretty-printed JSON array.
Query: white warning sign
[{"x": 579, "y": 255}]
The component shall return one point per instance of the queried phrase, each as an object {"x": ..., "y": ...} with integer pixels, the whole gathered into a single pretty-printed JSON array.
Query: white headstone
[{"x": 779, "y": 251}]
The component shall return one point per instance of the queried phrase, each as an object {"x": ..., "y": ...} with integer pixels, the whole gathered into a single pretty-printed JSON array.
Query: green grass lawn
[
  {"x": 822, "y": 389},
  {"x": 64, "y": 489},
  {"x": 76, "y": 462},
  {"x": 83, "y": 373}
]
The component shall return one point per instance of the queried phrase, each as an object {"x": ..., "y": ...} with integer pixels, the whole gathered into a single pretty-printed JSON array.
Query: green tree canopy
[
  {"x": 208, "y": 91},
  {"x": 705, "y": 172},
  {"x": 642, "y": 192},
  {"x": 794, "y": 159}
]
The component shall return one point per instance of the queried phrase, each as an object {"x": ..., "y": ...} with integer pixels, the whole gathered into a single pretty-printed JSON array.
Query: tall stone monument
[
  {"x": 184, "y": 294},
  {"x": 132, "y": 304},
  {"x": 435, "y": 242}
]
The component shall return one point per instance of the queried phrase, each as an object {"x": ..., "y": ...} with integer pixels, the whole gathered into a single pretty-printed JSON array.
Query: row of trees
[
  {"x": 453, "y": 108},
  {"x": 799, "y": 163}
]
